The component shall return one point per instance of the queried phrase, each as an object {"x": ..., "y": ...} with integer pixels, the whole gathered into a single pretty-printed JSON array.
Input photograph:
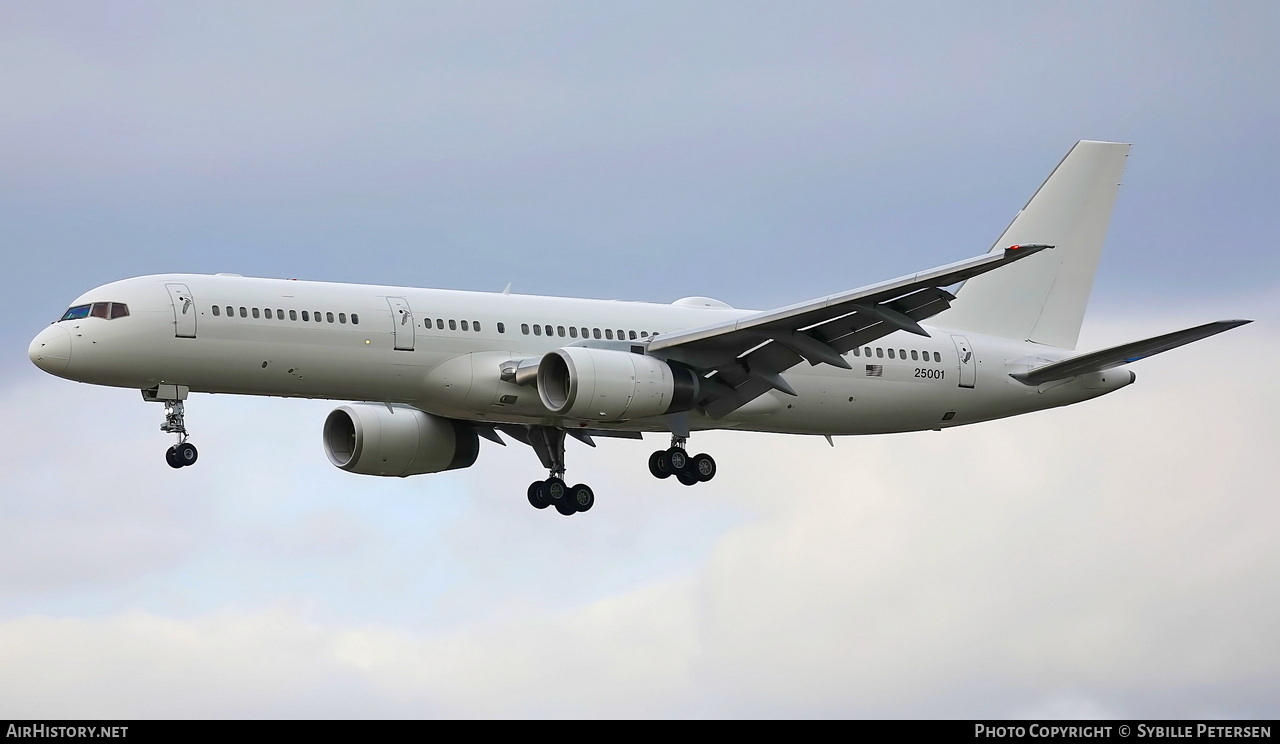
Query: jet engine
[
  {"x": 396, "y": 441},
  {"x": 608, "y": 385}
]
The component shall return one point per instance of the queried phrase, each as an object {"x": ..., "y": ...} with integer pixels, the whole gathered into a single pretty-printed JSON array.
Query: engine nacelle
[
  {"x": 374, "y": 440},
  {"x": 608, "y": 385}
]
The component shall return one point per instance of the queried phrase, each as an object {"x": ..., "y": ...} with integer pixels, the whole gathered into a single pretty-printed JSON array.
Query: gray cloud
[{"x": 1113, "y": 558}]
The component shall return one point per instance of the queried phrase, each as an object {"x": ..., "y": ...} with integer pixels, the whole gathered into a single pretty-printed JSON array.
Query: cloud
[{"x": 1114, "y": 558}]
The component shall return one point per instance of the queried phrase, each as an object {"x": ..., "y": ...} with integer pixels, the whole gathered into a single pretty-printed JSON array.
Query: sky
[{"x": 1112, "y": 559}]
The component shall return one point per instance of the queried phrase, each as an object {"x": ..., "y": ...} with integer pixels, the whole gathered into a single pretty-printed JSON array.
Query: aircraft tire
[
  {"x": 658, "y": 465},
  {"x": 677, "y": 460},
  {"x": 538, "y": 495},
  {"x": 703, "y": 466},
  {"x": 186, "y": 454},
  {"x": 582, "y": 497}
]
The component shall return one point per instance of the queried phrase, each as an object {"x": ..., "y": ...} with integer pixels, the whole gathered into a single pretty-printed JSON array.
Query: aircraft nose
[{"x": 50, "y": 350}]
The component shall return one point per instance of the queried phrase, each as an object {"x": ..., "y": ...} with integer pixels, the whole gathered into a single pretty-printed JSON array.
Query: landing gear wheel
[
  {"x": 703, "y": 466},
  {"x": 677, "y": 460},
  {"x": 566, "y": 507},
  {"x": 555, "y": 490},
  {"x": 538, "y": 495},
  {"x": 171, "y": 457},
  {"x": 582, "y": 497},
  {"x": 658, "y": 464},
  {"x": 689, "y": 479},
  {"x": 186, "y": 454}
]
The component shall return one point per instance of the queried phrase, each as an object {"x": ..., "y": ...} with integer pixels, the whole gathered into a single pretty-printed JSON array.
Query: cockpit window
[{"x": 106, "y": 310}]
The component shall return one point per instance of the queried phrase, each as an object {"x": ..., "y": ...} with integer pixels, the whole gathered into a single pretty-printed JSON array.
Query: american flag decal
[{"x": 875, "y": 370}]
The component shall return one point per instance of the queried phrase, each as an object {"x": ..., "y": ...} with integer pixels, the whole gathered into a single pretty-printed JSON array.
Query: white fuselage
[{"x": 406, "y": 345}]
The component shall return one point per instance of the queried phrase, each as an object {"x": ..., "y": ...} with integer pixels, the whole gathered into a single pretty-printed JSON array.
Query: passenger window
[
  {"x": 279, "y": 314},
  {"x": 560, "y": 331},
  {"x": 631, "y": 335},
  {"x": 902, "y": 353},
  {"x": 466, "y": 326},
  {"x": 306, "y": 316},
  {"x": 891, "y": 353},
  {"x": 524, "y": 328},
  {"x": 586, "y": 333},
  {"x": 439, "y": 324},
  {"x": 293, "y": 315},
  {"x": 537, "y": 330},
  {"x": 121, "y": 310},
  {"x": 328, "y": 316},
  {"x": 502, "y": 327},
  {"x": 548, "y": 330},
  {"x": 475, "y": 326},
  {"x": 867, "y": 351},
  {"x": 244, "y": 313},
  {"x": 231, "y": 312},
  {"x": 644, "y": 334},
  {"x": 255, "y": 313},
  {"x": 855, "y": 352},
  {"x": 608, "y": 333},
  {"x": 99, "y": 310},
  {"x": 937, "y": 357},
  {"x": 453, "y": 324},
  {"x": 355, "y": 319},
  {"x": 266, "y": 313},
  {"x": 216, "y": 311},
  {"x": 342, "y": 318},
  {"x": 573, "y": 331},
  {"x": 595, "y": 332},
  {"x": 316, "y": 316},
  {"x": 879, "y": 353}
]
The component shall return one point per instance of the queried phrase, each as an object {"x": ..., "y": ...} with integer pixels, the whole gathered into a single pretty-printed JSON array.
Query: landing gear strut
[
  {"x": 183, "y": 453},
  {"x": 676, "y": 461},
  {"x": 548, "y": 442}
]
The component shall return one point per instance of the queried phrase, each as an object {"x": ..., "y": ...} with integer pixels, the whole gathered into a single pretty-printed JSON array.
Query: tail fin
[{"x": 1043, "y": 298}]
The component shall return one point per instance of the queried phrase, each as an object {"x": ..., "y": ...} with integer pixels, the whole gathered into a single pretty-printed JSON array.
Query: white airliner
[{"x": 436, "y": 370}]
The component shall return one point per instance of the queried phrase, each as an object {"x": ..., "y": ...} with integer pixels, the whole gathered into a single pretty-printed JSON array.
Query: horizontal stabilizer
[{"x": 1097, "y": 361}]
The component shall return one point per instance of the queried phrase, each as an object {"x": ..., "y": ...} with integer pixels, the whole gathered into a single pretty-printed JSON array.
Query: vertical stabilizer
[{"x": 1043, "y": 298}]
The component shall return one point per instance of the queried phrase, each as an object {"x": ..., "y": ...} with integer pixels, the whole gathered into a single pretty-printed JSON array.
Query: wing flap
[
  {"x": 742, "y": 359},
  {"x": 826, "y": 309},
  {"x": 1097, "y": 361}
]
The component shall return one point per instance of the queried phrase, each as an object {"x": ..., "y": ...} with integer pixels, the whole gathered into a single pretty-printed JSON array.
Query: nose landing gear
[{"x": 183, "y": 453}]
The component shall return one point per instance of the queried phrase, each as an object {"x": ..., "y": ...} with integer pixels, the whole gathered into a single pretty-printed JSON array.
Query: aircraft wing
[
  {"x": 1097, "y": 361},
  {"x": 740, "y": 360}
]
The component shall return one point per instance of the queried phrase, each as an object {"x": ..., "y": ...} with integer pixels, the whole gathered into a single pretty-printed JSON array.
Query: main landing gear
[
  {"x": 676, "y": 461},
  {"x": 548, "y": 442}
]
